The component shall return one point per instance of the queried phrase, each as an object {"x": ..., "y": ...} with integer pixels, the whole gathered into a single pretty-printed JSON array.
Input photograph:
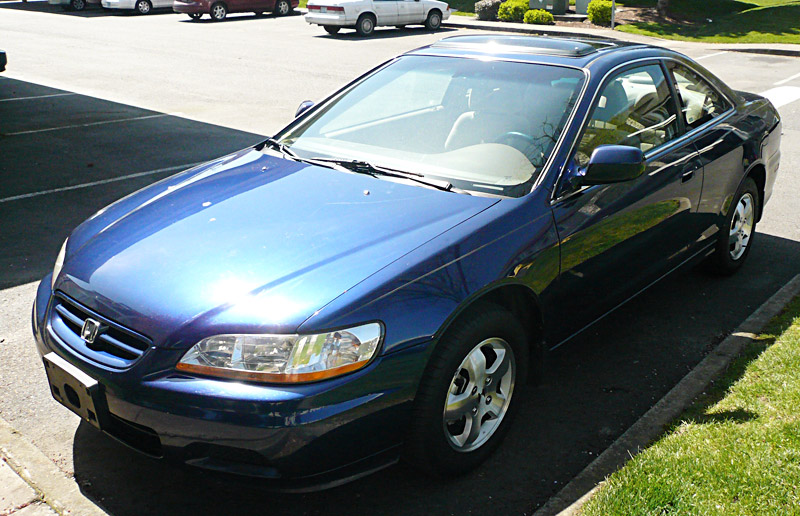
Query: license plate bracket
[{"x": 74, "y": 389}]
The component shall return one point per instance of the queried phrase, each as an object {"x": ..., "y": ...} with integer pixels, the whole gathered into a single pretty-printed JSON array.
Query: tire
[
  {"x": 77, "y": 5},
  {"x": 218, "y": 11},
  {"x": 195, "y": 16},
  {"x": 736, "y": 237},
  {"x": 434, "y": 20},
  {"x": 282, "y": 8},
  {"x": 143, "y": 6},
  {"x": 331, "y": 29},
  {"x": 365, "y": 25},
  {"x": 460, "y": 375}
]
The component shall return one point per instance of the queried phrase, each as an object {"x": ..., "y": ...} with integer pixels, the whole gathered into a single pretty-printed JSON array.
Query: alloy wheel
[
  {"x": 741, "y": 226},
  {"x": 283, "y": 7},
  {"x": 479, "y": 395}
]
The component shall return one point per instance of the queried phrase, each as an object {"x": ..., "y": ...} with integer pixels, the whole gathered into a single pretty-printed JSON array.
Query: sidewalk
[
  {"x": 17, "y": 497},
  {"x": 591, "y": 31}
]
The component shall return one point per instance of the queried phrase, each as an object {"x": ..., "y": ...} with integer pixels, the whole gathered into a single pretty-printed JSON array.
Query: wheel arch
[
  {"x": 758, "y": 172},
  {"x": 524, "y": 304}
]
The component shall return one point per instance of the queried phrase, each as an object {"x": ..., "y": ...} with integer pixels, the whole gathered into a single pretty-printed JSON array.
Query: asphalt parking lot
[{"x": 96, "y": 105}]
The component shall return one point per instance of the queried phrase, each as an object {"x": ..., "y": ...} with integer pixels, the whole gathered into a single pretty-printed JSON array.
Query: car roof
[{"x": 565, "y": 51}]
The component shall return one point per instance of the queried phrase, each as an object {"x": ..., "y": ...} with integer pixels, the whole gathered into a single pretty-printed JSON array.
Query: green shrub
[
  {"x": 513, "y": 10},
  {"x": 599, "y": 12},
  {"x": 538, "y": 17},
  {"x": 487, "y": 9}
]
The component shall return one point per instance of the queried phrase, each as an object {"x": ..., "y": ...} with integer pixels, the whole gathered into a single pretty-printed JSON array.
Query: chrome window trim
[{"x": 654, "y": 151}]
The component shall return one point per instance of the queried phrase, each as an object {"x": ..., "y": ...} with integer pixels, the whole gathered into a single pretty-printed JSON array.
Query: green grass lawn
[
  {"x": 732, "y": 21},
  {"x": 736, "y": 451}
]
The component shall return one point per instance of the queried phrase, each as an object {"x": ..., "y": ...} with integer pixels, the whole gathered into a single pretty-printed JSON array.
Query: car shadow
[
  {"x": 238, "y": 17},
  {"x": 382, "y": 33},
  {"x": 57, "y": 161},
  {"x": 595, "y": 387}
]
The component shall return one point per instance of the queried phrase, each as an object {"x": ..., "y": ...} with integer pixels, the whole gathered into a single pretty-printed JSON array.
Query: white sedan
[{"x": 365, "y": 15}]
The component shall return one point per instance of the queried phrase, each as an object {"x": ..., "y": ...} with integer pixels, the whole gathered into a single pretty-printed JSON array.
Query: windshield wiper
[{"x": 365, "y": 167}]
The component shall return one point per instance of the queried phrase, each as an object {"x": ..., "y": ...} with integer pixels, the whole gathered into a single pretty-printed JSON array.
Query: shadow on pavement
[
  {"x": 381, "y": 33},
  {"x": 595, "y": 387},
  {"x": 62, "y": 140}
]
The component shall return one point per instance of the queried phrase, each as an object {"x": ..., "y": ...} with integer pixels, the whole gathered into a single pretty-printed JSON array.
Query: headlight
[
  {"x": 284, "y": 358},
  {"x": 59, "y": 263}
]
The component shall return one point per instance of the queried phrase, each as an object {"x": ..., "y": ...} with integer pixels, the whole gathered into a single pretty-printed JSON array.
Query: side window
[
  {"x": 700, "y": 102},
  {"x": 635, "y": 108}
]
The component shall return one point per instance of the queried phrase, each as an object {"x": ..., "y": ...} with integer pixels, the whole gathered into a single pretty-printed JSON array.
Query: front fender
[{"x": 418, "y": 296}]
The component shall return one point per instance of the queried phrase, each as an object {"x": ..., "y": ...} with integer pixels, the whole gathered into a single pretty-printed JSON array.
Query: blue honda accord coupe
[{"x": 377, "y": 280}]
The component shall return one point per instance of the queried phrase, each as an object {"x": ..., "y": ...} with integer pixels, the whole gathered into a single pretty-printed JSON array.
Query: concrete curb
[
  {"x": 58, "y": 491},
  {"x": 600, "y": 33},
  {"x": 580, "y": 489}
]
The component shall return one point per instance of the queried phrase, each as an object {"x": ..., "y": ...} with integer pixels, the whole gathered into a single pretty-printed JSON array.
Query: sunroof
[{"x": 528, "y": 44}]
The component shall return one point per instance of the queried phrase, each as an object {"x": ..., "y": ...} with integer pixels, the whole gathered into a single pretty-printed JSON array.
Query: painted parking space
[{"x": 65, "y": 156}]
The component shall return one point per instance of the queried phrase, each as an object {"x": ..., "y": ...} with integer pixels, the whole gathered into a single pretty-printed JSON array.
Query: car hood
[{"x": 250, "y": 243}]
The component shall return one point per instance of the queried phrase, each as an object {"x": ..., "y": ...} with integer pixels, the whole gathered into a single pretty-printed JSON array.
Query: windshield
[{"x": 482, "y": 126}]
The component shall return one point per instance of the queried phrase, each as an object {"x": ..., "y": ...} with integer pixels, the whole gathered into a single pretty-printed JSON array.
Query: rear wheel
[
  {"x": 467, "y": 398},
  {"x": 736, "y": 238},
  {"x": 331, "y": 29},
  {"x": 219, "y": 11},
  {"x": 143, "y": 6},
  {"x": 434, "y": 20},
  {"x": 196, "y": 16},
  {"x": 77, "y": 5},
  {"x": 365, "y": 25},
  {"x": 282, "y": 7}
]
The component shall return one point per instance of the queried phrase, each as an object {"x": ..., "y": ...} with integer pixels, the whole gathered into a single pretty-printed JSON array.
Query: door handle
[{"x": 689, "y": 170}]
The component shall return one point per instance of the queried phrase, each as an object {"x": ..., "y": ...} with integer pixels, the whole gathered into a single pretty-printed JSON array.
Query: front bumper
[{"x": 301, "y": 436}]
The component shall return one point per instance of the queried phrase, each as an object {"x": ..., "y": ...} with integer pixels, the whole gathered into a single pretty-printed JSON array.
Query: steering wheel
[{"x": 524, "y": 143}]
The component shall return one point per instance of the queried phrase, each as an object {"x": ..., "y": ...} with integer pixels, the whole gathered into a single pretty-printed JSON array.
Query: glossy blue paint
[{"x": 254, "y": 243}]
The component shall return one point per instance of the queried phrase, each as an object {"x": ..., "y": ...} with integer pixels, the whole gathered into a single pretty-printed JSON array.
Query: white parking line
[
  {"x": 711, "y": 55},
  {"x": 32, "y": 131},
  {"x": 39, "y": 97},
  {"x": 782, "y": 95},
  {"x": 101, "y": 182},
  {"x": 795, "y": 76}
]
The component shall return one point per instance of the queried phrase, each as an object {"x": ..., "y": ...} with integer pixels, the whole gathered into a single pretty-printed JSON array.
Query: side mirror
[
  {"x": 613, "y": 164},
  {"x": 303, "y": 107}
]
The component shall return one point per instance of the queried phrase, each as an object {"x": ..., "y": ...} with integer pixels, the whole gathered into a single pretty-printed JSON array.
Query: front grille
[{"x": 115, "y": 346}]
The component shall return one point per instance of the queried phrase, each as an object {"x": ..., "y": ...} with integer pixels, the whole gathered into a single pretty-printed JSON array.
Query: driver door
[{"x": 618, "y": 238}]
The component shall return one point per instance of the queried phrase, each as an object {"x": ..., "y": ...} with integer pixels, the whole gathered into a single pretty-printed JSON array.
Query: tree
[{"x": 662, "y": 7}]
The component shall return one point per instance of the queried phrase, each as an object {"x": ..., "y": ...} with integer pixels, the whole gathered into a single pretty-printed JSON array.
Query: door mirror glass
[
  {"x": 303, "y": 107},
  {"x": 613, "y": 164}
]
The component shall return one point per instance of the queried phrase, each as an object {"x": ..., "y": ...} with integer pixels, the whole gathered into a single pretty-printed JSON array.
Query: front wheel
[
  {"x": 331, "y": 29},
  {"x": 282, "y": 7},
  {"x": 143, "y": 6},
  {"x": 736, "y": 238},
  {"x": 434, "y": 20},
  {"x": 365, "y": 25},
  {"x": 219, "y": 11},
  {"x": 467, "y": 398},
  {"x": 77, "y": 5},
  {"x": 195, "y": 16}
]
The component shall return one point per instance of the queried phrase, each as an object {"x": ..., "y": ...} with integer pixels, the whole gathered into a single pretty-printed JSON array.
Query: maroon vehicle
[{"x": 219, "y": 9}]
